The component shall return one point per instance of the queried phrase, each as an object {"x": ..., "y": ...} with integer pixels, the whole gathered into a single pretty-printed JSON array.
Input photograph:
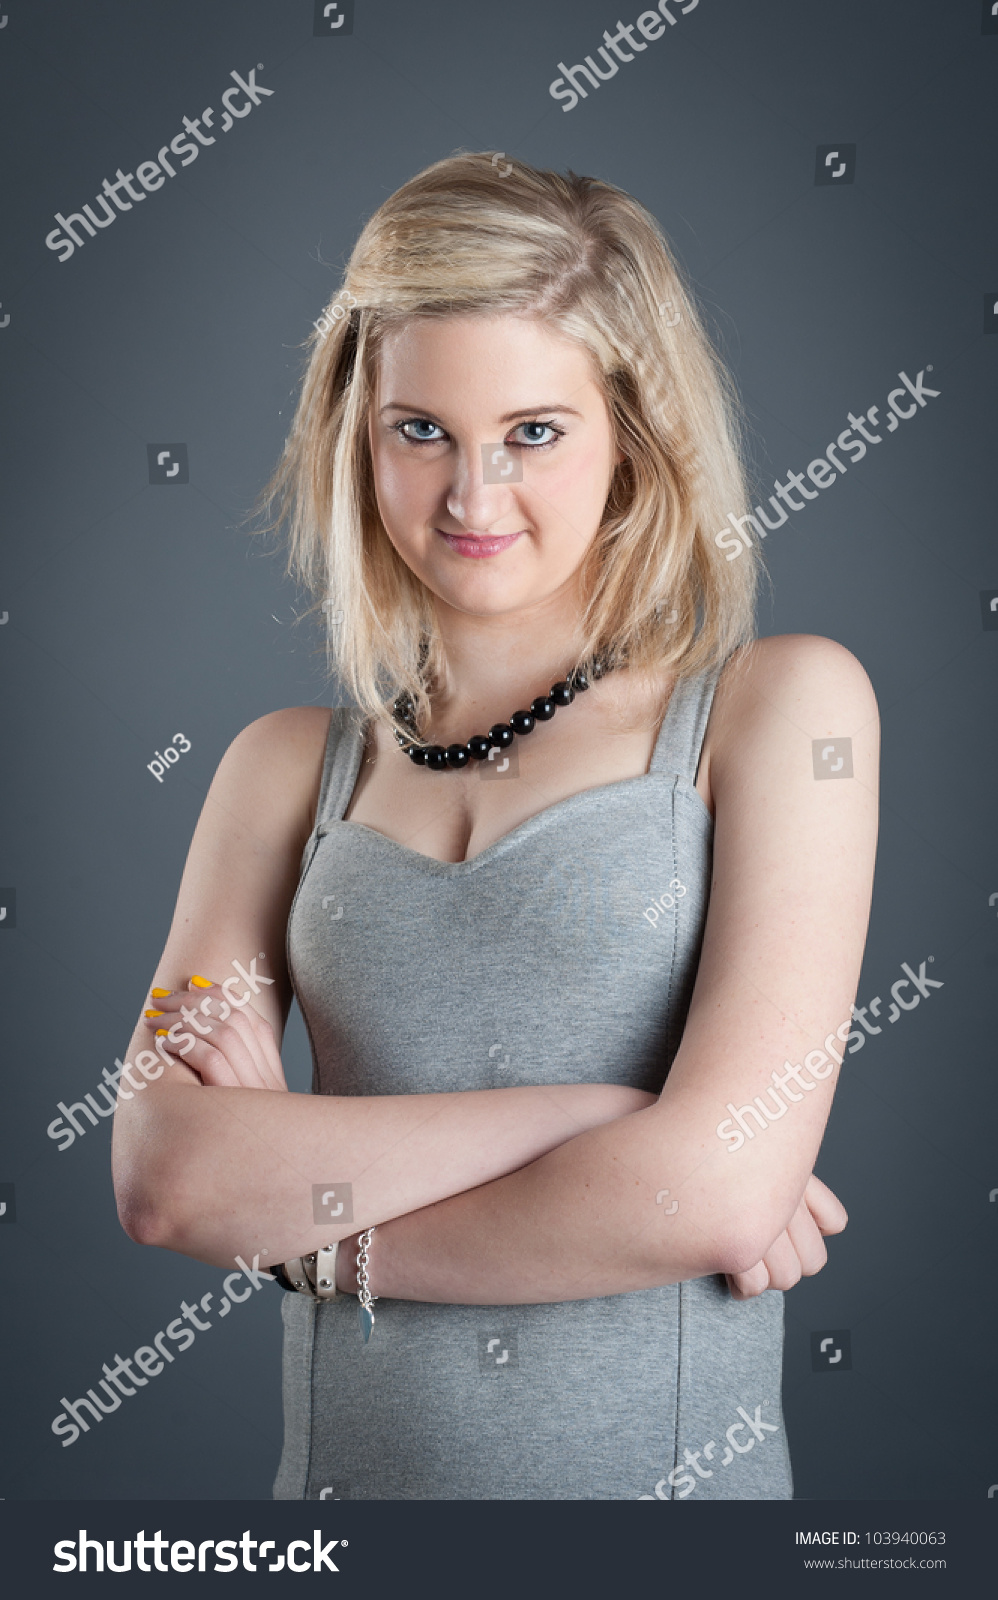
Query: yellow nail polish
[
  {"x": 202, "y": 983},
  {"x": 162, "y": 1033},
  {"x": 160, "y": 994},
  {"x": 154, "y": 1013}
]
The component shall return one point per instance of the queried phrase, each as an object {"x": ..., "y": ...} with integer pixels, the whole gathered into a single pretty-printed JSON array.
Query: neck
[{"x": 495, "y": 666}]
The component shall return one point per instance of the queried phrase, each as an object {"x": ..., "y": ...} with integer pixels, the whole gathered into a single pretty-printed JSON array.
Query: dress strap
[
  {"x": 680, "y": 738},
  {"x": 344, "y": 749}
]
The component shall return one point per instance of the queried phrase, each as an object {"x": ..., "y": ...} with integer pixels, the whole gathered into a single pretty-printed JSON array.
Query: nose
[{"x": 473, "y": 502}]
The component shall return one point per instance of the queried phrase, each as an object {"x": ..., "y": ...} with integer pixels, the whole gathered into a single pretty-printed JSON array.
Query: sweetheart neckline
[{"x": 531, "y": 822}]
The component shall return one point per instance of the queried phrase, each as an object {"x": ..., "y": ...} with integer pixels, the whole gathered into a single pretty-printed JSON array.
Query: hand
[
  {"x": 234, "y": 1046},
  {"x": 800, "y": 1251}
]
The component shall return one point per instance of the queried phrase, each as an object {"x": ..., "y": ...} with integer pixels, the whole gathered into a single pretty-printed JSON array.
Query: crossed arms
[{"x": 531, "y": 1194}]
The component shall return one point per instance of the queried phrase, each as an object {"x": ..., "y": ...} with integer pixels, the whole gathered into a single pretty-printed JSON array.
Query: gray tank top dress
[{"x": 563, "y": 953}]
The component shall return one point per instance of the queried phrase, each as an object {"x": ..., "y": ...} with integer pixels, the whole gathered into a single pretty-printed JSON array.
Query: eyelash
[{"x": 531, "y": 422}]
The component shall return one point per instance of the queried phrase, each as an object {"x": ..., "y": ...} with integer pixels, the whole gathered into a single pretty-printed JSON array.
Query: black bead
[{"x": 502, "y": 734}]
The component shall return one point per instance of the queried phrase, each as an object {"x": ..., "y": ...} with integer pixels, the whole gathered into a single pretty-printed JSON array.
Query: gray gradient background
[{"x": 136, "y": 610}]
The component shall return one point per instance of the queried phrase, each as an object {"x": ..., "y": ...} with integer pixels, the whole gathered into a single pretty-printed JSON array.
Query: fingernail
[
  {"x": 160, "y": 994},
  {"x": 162, "y": 1033},
  {"x": 202, "y": 983},
  {"x": 153, "y": 1013}
]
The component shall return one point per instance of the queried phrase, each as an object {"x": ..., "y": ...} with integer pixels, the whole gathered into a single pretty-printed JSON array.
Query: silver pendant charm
[{"x": 364, "y": 1294}]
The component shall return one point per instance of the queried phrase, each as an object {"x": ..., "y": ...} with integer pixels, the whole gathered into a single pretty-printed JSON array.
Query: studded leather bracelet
[{"x": 313, "y": 1275}]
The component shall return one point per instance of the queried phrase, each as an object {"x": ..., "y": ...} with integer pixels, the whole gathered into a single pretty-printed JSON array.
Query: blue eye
[
  {"x": 420, "y": 430},
  {"x": 433, "y": 436},
  {"x": 533, "y": 429}
]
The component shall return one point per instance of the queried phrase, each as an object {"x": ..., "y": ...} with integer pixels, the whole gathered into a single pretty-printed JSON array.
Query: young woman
[{"x": 561, "y": 954}]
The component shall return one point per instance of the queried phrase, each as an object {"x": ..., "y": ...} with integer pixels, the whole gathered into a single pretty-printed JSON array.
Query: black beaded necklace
[{"x": 502, "y": 734}]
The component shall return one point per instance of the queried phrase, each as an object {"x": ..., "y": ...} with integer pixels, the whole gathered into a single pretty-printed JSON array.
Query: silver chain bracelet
[{"x": 364, "y": 1294}]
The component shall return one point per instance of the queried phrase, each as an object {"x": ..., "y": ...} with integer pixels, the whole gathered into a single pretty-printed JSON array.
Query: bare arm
[
  {"x": 216, "y": 1172},
  {"x": 793, "y": 872},
  {"x": 219, "y": 1171}
]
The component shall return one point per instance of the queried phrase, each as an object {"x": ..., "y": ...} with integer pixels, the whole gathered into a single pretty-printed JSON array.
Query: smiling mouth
[
  {"x": 474, "y": 533},
  {"x": 479, "y": 545}
]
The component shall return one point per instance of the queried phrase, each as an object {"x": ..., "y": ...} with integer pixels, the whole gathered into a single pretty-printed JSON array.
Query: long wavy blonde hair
[{"x": 469, "y": 235}]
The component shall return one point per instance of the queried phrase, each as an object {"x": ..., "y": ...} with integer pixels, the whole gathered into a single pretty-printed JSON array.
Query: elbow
[
  {"x": 703, "y": 1254},
  {"x": 738, "y": 1251},
  {"x": 744, "y": 1244},
  {"x": 146, "y": 1202},
  {"x": 145, "y": 1223},
  {"x": 145, "y": 1217},
  {"x": 151, "y": 1173}
]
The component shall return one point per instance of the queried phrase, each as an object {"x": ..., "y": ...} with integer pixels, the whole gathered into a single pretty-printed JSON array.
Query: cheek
[
  {"x": 577, "y": 489},
  {"x": 404, "y": 492}
]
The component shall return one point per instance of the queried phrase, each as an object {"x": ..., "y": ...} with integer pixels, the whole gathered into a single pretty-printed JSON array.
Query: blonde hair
[{"x": 468, "y": 235}]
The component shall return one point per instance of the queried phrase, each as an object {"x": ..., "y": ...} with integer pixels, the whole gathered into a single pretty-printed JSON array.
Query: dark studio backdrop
[{"x": 825, "y": 174}]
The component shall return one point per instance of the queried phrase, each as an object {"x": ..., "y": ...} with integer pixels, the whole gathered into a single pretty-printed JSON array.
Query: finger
[
  {"x": 253, "y": 1030},
  {"x": 201, "y": 1008},
  {"x": 182, "y": 1015},
  {"x": 221, "y": 1061},
  {"x": 169, "y": 1057},
  {"x": 210, "y": 1064},
  {"x": 264, "y": 1045},
  {"x": 169, "y": 1003},
  {"x": 209, "y": 1016},
  {"x": 746, "y": 1285},
  {"x": 806, "y": 1238},
  {"x": 826, "y": 1208},
  {"x": 163, "y": 1006},
  {"x": 783, "y": 1263},
  {"x": 233, "y": 1040},
  {"x": 174, "y": 1011}
]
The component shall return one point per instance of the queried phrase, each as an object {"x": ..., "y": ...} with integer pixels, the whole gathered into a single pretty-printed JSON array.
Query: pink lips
[{"x": 479, "y": 545}]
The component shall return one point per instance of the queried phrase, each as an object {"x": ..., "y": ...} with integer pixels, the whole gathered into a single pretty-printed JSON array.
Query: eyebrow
[{"x": 511, "y": 416}]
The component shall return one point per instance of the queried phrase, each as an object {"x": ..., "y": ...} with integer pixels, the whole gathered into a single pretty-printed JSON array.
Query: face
[{"x": 447, "y": 388}]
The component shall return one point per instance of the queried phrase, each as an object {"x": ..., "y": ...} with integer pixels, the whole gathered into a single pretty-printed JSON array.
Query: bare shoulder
[
  {"x": 272, "y": 769},
  {"x": 294, "y": 734},
  {"x": 796, "y": 669},
  {"x": 778, "y": 696}
]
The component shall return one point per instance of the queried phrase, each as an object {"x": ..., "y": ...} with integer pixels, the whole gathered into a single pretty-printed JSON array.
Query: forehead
[{"x": 474, "y": 353}]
